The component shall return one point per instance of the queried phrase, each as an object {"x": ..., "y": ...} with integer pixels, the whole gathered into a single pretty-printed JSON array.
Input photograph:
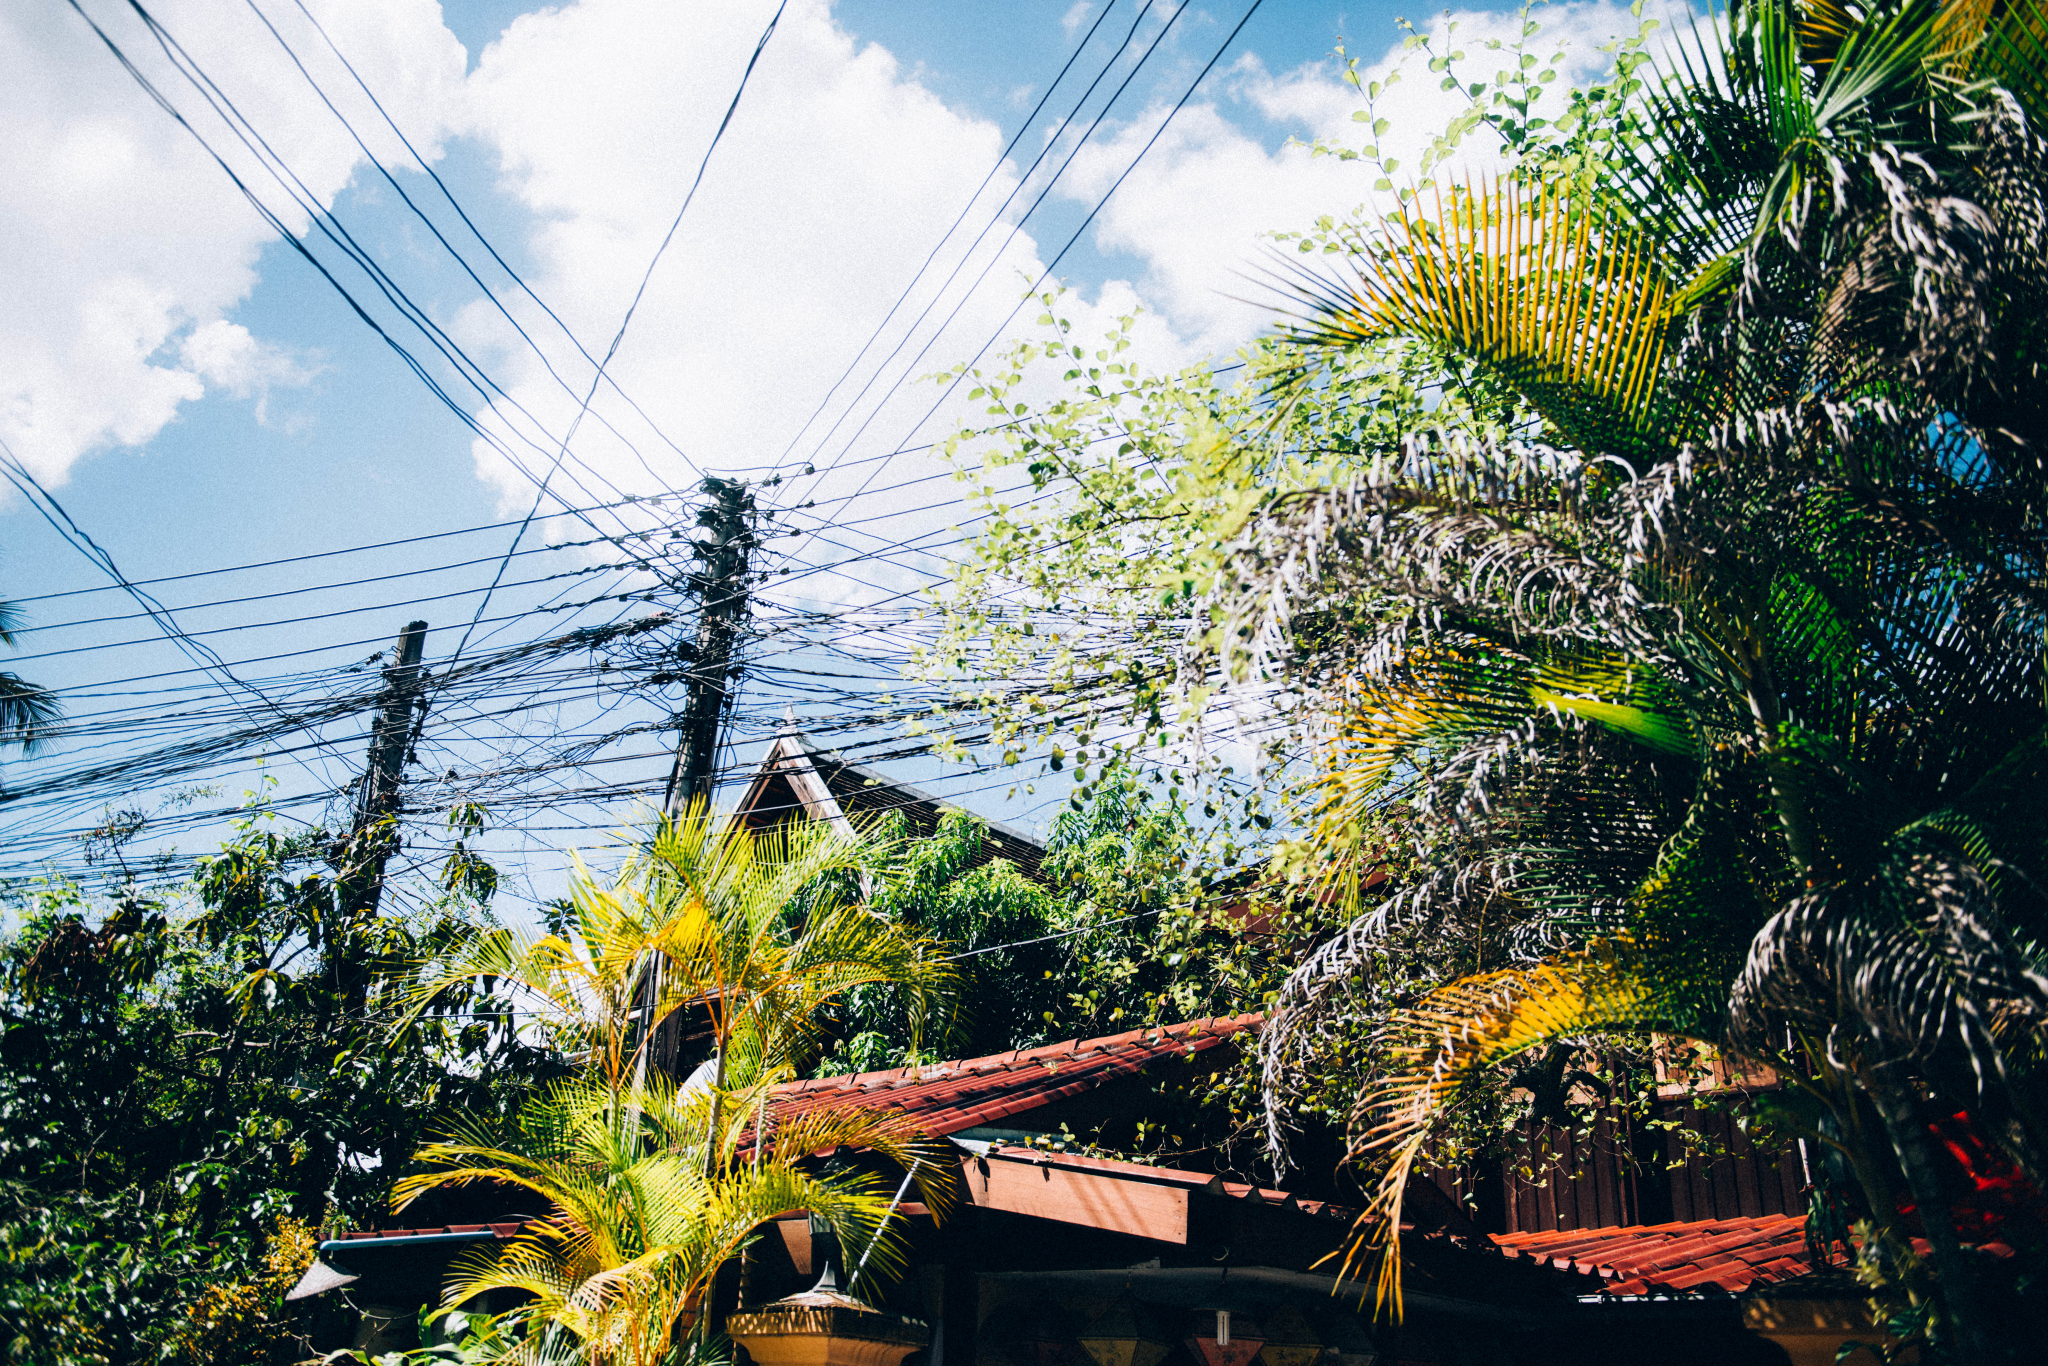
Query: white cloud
[
  {"x": 230, "y": 358},
  {"x": 1196, "y": 210},
  {"x": 125, "y": 244},
  {"x": 835, "y": 180},
  {"x": 130, "y": 250},
  {"x": 838, "y": 176}
]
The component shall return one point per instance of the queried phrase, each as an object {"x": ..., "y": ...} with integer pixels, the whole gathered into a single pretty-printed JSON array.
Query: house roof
[
  {"x": 1700, "y": 1257},
  {"x": 800, "y": 777},
  {"x": 1706, "y": 1255},
  {"x": 948, "y": 1097},
  {"x": 1687, "y": 1259},
  {"x": 502, "y": 1229}
]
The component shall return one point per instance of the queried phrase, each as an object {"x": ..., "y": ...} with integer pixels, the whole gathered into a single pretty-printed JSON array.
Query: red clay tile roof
[
  {"x": 1701, "y": 1257},
  {"x": 1712, "y": 1254},
  {"x": 947, "y": 1097}
]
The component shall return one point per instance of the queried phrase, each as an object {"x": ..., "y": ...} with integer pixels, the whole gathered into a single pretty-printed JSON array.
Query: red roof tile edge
[
  {"x": 1192, "y": 1035},
  {"x": 1730, "y": 1255},
  {"x": 1136, "y": 1048}
]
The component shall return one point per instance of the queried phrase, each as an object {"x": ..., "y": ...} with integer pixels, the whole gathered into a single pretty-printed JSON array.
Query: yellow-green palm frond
[
  {"x": 2011, "y": 48},
  {"x": 651, "y": 1186},
  {"x": 1435, "y": 697},
  {"x": 896, "y": 1138},
  {"x": 1603, "y": 689},
  {"x": 1554, "y": 292},
  {"x": 1823, "y": 26},
  {"x": 706, "y": 902},
  {"x": 1444, "y": 698},
  {"x": 1447, "y": 1040},
  {"x": 642, "y": 1244},
  {"x": 744, "y": 877},
  {"x": 1960, "y": 27}
]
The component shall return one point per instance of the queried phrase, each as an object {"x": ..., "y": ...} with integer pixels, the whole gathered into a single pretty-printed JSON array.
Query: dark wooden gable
[{"x": 799, "y": 780}]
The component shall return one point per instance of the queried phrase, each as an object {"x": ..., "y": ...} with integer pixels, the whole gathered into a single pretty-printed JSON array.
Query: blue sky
[{"x": 197, "y": 397}]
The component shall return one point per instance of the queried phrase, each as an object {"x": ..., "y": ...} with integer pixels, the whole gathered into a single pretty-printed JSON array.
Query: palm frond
[
  {"x": 1914, "y": 951},
  {"x": 1447, "y": 1040},
  {"x": 1556, "y": 294},
  {"x": 2007, "y": 44},
  {"x": 28, "y": 713}
]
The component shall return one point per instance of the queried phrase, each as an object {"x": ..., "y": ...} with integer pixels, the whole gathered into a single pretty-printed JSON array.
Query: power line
[
  {"x": 356, "y": 643},
  {"x": 1150, "y": 142},
  {"x": 620, "y": 336},
  {"x": 61, "y": 522},
  {"x": 327, "y": 225},
  {"x": 605, "y": 539},
  {"x": 461, "y": 213},
  {"x": 1016, "y": 228},
  {"x": 881, "y": 554},
  {"x": 299, "y": 620},
  {"x": 1001, "y": 158}
]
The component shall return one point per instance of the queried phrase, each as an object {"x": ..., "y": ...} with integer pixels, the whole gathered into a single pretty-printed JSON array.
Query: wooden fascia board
[
  {"x": 1041, "y": 1190},
  {"x": 789, "y": 759},
  {"x": 786, "y": 757}
]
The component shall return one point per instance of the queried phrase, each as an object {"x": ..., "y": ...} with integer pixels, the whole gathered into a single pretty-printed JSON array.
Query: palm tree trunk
[
  {"x": 1968, "y": 1319},
  {"x": 711, "y": 1145},
  {"x": 1788, "y": 796}
]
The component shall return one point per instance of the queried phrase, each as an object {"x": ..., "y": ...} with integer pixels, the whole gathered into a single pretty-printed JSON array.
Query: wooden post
[
  {"x": 721, "y": 606},
  {"x": 373, "y": 835}
]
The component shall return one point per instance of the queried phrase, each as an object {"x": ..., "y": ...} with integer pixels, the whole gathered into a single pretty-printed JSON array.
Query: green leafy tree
[
  {"x": 1074, "y": 952},
  {"x": 653, "y": 1185},
  {"x": 991, "y": 921},
  {"x": 1121, "y": 928},
  {"x": 1705, "y": 653},
  {"x": 1722, "y": 689},
  {"x": 183, "y": 1082},
  {"x": 1066, "y": 617}
]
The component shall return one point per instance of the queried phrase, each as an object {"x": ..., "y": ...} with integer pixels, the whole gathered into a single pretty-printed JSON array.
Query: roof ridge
[
  {"x": 953, "y": 1094},
  {"x": 1207, "y": 1025}
]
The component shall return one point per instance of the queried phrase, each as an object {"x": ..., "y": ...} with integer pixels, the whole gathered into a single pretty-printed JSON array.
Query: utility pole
[
  {"x": 721, "y": 591},
  {"x": 373, "y": 835}
]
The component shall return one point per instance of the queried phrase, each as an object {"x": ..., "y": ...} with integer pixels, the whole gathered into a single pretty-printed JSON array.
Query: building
[
  {"x": 1054, "y": 1257},
  {"x": 799, "y": 780},
  {"x": 1616, "y": 1245}
]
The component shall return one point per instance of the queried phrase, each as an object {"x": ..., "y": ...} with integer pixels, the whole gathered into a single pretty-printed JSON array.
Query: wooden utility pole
[
  {"x": 721, "y": 592},
  {"x": 373, "y": 835}
]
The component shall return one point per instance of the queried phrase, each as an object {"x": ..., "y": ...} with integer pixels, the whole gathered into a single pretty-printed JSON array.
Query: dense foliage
[
  {"x": 1720, "y": 689},
  {"x": 1109, "y": 511},
  {"x": 189, "y": 1089},
  {"x": 1707, "y": 664},
  {"x": 653, "y": 1185},
  {"x": 1092, "y": 944}
]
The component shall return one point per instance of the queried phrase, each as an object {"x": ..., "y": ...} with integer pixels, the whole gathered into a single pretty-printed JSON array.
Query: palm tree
[
  {"x": 648, "y": 1203},
  {"x": 27, "y": 712},
  {"x": 654, "y": 1185},
  {"x": 753, "y": 928},
  {"x": 1723, "y": 690}
]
